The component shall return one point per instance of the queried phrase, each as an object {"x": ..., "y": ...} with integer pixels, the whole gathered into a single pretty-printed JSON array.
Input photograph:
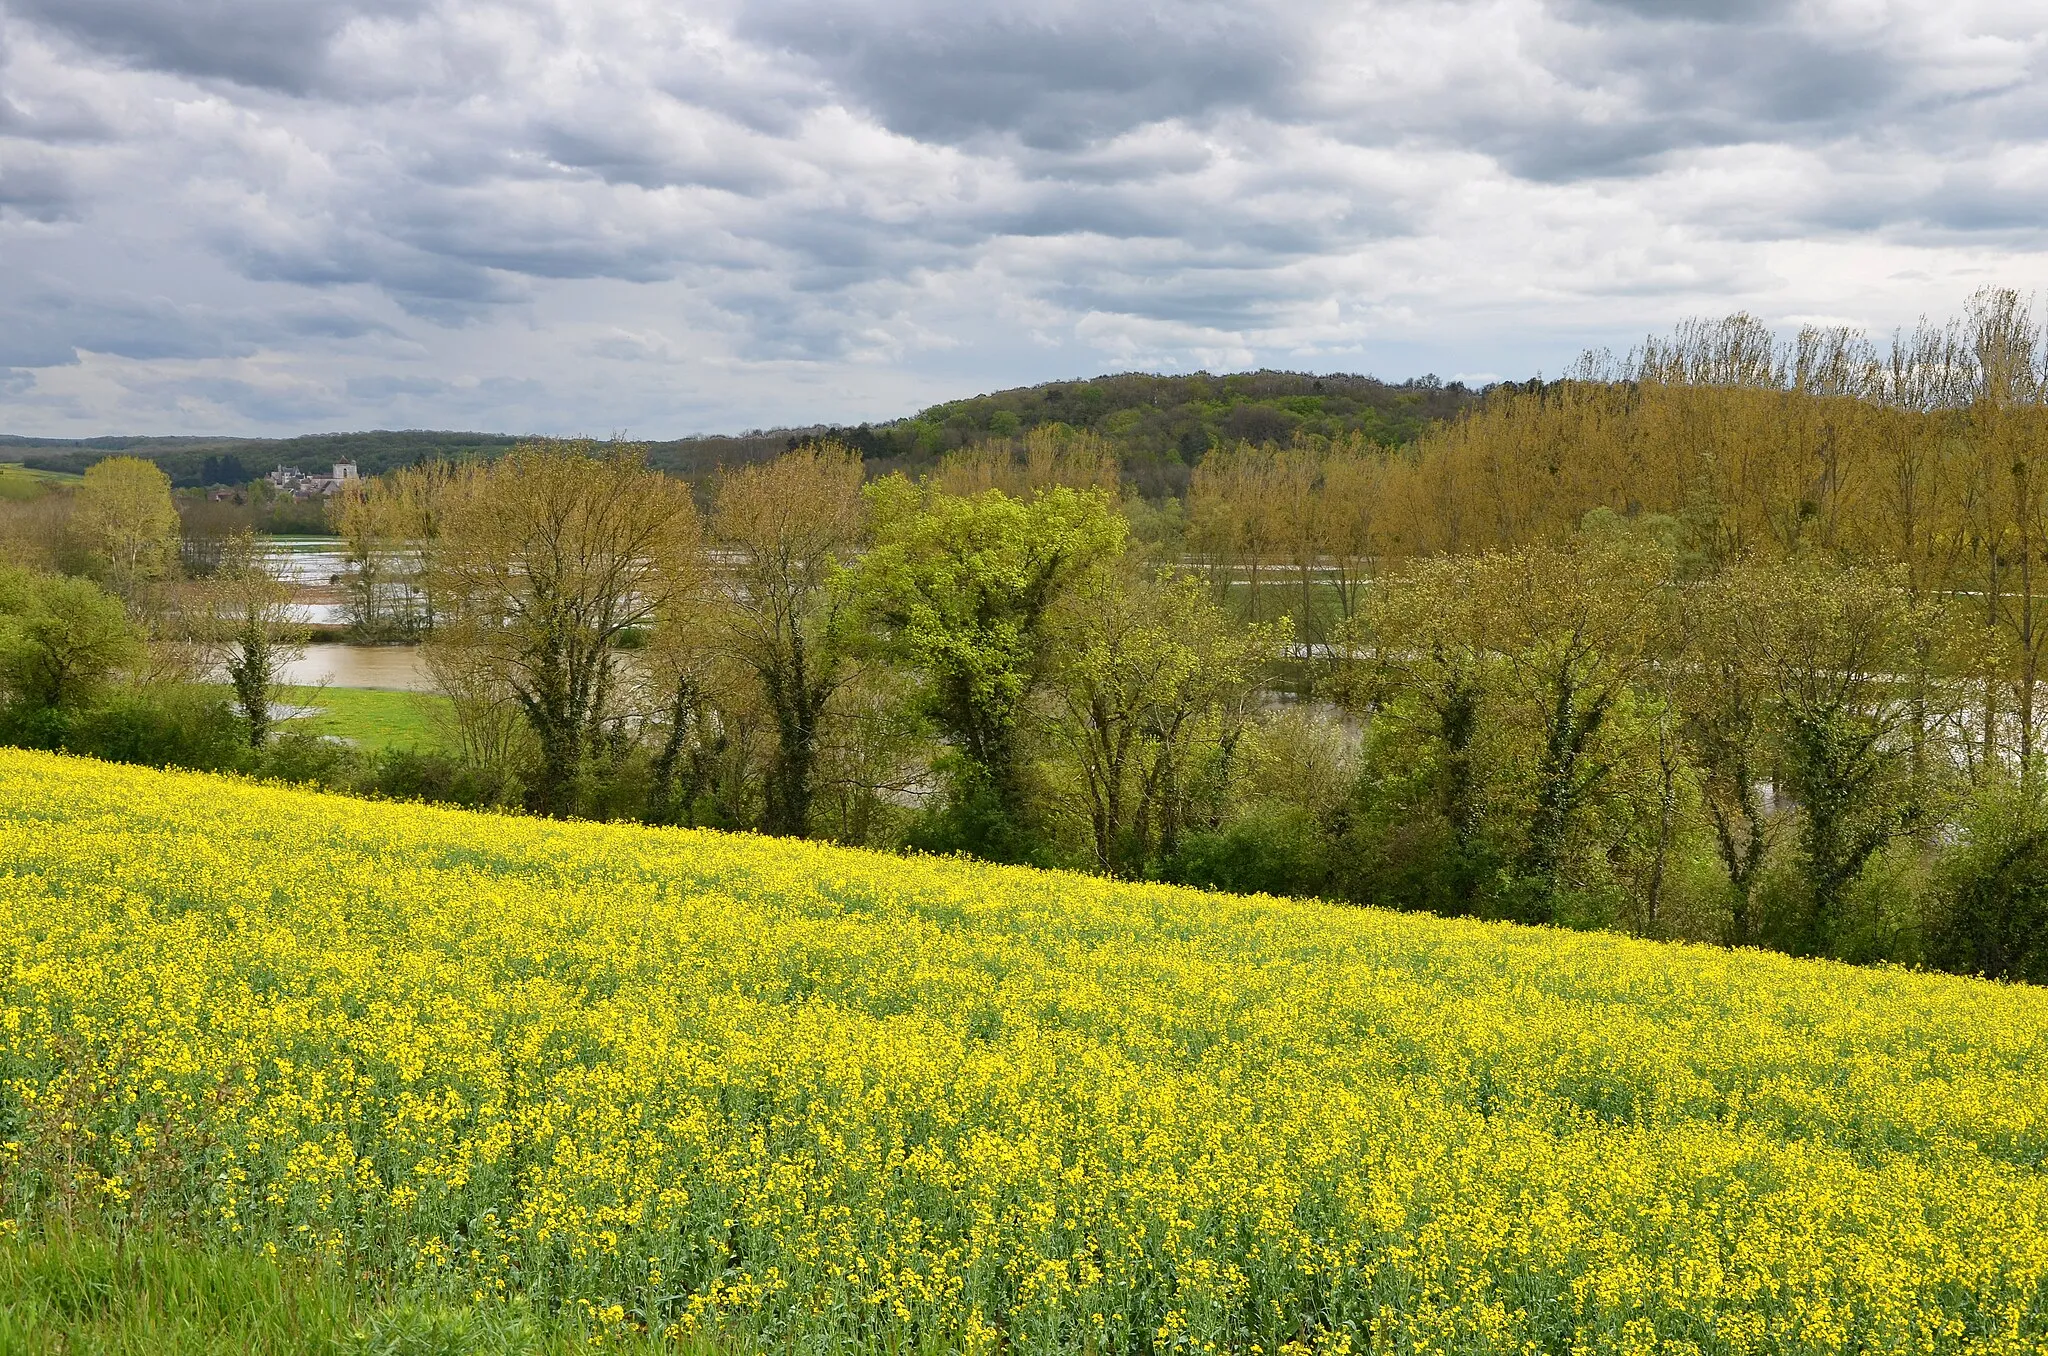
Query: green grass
[
  {"x": 50, "y": 477},
  {"x": 18, "y": 482},
  {"x": 369, "y": 718},
  {"x": 152, "y": 1296}
]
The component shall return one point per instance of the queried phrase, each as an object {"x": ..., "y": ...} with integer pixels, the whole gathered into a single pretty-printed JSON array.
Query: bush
[
  {"x": 312, "y": 759},
  {"x": 162, "y": 727},
  {"x": 61, "y": 639},
  {"x": 1988, "y": 914},
  {"x": 429, "y": 774},
  {"x": 971, "y": 819},
  {"x": 153, "y": 726},
  {"x": 1275, "y": 849}
]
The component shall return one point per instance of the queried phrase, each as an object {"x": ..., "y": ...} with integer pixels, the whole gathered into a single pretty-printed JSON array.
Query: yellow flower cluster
[{"x": 803, "y": 1095}]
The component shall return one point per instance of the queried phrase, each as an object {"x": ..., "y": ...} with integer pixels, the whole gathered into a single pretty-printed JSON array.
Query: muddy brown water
[{"x": 391, "y": 668}]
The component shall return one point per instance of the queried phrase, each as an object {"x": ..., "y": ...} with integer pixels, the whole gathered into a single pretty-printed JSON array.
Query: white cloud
[{"x": 579, "y": 215}]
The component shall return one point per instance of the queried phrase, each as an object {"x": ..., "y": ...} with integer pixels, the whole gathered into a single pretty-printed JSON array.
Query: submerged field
[{"x": 772, "y": 1091}]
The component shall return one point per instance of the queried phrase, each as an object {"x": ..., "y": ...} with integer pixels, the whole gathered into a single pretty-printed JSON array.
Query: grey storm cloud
[
  {"x": 71, "y": 320},
  {"x": 1057, "y": 75},
  {"x": 596, "y": 213},
  {"x": 260, "y": 43},
  {"x": 35, "y": 187}
]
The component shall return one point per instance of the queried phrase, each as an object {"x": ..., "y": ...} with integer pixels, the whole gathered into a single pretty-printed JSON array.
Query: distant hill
[
  {"x": 1161, "y": 425},
  {"x": 235, "y": 461}
]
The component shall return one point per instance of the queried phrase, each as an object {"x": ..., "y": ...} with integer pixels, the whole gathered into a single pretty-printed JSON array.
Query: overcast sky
[{"x": 588, "y": 216}]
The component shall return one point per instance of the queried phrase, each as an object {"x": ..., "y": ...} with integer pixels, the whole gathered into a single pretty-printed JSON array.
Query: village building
[{"x": 291, "y": 480}]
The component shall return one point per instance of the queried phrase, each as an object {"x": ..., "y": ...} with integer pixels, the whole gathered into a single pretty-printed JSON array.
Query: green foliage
[
  {"x": 165, "y": 725},
  {"x": 1990, "y": 911},
  {"x": 61, "y": 639},
  {"x": 1152, "y": 677},
  {"x": 1843, "y": 655},
  {"x": 962, "y": 589},
  {"x": 1418, "y": 836},
  {"x": 972, "y": 818},
  {"x": 1272, "y": 849},
  {"x": 1179, "y": 417},
  {"x": 1160, "y": 426},
  {"x": 122, "y": 513}
]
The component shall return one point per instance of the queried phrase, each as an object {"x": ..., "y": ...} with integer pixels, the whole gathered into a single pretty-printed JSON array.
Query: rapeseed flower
[{"x": 786, "y": 1092}]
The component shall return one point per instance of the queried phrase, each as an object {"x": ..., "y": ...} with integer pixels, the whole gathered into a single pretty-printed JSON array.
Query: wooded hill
[
  {"x": 192, "y": 462},
  {"x": 1159, "y": 426}
]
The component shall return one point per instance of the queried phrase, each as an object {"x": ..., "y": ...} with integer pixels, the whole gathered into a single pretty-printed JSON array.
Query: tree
[
  {"x": 482, "y": 721},
  {"x": 1841, "y": 650},
  {"x": 786, "y": 531},
  {"x": 1723, "y": 700},
  {"x": 1575, "y": 625},
  {"x": 61, "y": 639},
  {"x": 248, "y": 611},
  {"x": 384, "y": 522},
  {"x": 1051, "y": 454},
  {"x": 1353, "y": 489},
  {"x": 1414, "y": 661},
  {"x": 35, "y": 532},
  {"x": 1990, "y": 897},
  {"x": 2008, "y": 425},
  {"x": 541, "y": 563},
  {"x": 1146, "y": 665},
  {"x": 1234, "y": 521},
  {"x": 962, "y": 589},
  {"x": 1533, "y": 652},
  {"x": 680, "y": 671},
  {"x": 124, "y": 514}
]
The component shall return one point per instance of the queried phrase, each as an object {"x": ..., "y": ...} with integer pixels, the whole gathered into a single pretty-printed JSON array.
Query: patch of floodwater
[
  {"x": 308, "y": 562},
  {"x": 392, "y": 668}
]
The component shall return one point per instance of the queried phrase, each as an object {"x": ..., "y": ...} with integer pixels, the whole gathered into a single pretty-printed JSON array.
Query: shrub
[
  {"x": 162, "y": 726},
  {"x": 1275, "y": 849},
  {"x": 1988, "y": 914}
]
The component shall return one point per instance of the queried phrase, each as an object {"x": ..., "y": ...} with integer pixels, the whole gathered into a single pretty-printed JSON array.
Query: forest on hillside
[
  {"x": 1159, "y": 427},
  {"x": 203, "y": 462}
]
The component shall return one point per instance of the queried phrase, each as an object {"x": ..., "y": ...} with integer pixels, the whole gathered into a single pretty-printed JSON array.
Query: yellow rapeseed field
[{"x": 815, "y": 1097}]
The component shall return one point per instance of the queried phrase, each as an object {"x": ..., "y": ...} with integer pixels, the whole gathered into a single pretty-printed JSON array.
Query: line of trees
[
  {"x": 1728, "y": 640},
  {"x": 813, "y": 653}
]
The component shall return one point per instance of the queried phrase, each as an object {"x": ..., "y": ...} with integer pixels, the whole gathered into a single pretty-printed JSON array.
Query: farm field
[
  {"x": 757, "y": 1091},
  {"x": 18, "y": 482}
]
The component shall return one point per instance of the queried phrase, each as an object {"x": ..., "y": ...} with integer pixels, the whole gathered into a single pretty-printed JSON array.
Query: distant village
[{"x": 291, "y": 481}]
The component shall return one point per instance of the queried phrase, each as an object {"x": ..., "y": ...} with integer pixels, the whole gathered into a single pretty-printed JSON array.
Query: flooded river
[
  {"x": 394, "y": 668},
  {"x": 315, "y": 568}
]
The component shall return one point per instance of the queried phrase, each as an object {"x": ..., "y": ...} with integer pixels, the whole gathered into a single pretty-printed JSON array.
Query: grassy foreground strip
[
  {"x": 154, "y": 1296},
  {"x": 804, "y": 1096}
]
